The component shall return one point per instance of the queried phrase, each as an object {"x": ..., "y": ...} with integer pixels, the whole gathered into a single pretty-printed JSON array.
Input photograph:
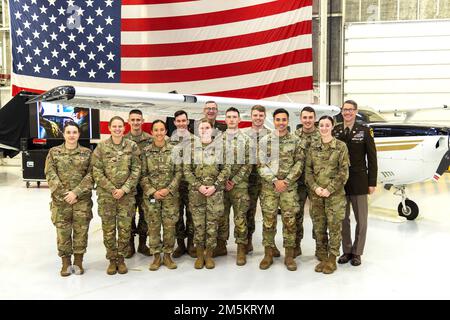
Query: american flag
[{"x": 242, "y": 48}]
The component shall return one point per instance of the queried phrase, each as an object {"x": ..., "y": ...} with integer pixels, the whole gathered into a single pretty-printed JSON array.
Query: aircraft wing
[
  {"x": 164, "y": 104},
  {"x": 409, "y": 111}
]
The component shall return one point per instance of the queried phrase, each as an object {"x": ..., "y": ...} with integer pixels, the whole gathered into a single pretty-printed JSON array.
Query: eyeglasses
[
  {"x": 348, "y": 110},
  {"x": 211, "y": 109}
]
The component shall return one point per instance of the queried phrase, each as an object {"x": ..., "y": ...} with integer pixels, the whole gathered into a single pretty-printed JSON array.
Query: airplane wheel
[{"x": 410, "y": 212}]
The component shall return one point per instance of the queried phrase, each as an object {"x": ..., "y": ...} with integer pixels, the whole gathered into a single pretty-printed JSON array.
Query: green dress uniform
[
  {"x": 303, "y": 192},
  {"x": 287, "y": 165},
  {"x": 116, "y": 167},
  {"x": 362, "y": 175},
  {"x": 327, "y": 167},
  {"x": 142, "y": 141},
  {"x": 236, "y": 149},
  {"x": 206, "y": 168},
  {"x": 159, "y": 171},
  {"x": 69, "y": 170}
]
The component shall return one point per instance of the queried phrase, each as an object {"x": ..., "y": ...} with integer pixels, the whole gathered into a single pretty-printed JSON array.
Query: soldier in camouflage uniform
[
  {"x": 309, "y": 134},
  {"x": 206, "y": 177},
  {"x": 326, "y": 174},
  {"x": 116, "y": 170},
  {"x": 255, "y": 133},
  {"x": 142, "y": 139},
  {"x": 280, "y": 173},
  {"x": 69, "y": 176},
  {"x": 182, "y": 139},
  {"x": 160, "y": 181},
  {"x": 236, "y": 153}
]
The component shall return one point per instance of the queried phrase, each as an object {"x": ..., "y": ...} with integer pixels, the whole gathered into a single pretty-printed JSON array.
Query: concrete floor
[{"x": 403, "y": 259}]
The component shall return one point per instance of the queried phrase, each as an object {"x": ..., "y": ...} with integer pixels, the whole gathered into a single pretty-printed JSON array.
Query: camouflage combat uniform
[
  {"x": 183, "y": 147},
  {"x": 159, "y": 171},
  {"x": 236, "y": 148},
  {"x": 116, "y": 167},
  {"x": 327, "y": 167},
  {"x": 254, "y": 180},
  {"x": 142, "y": 140},
  {"x": 287, "y": 166},
  {"x": 303, "y": 192},
  {"x": 69, "y": 170},
  {"x": 206, "y": 169}
]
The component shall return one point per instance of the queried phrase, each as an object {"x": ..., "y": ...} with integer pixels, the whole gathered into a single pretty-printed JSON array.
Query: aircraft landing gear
[{"x": 406, "y": 208}]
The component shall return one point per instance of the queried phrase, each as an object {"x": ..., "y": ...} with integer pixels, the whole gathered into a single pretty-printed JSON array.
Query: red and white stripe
[{"x": 242, "y": 48}]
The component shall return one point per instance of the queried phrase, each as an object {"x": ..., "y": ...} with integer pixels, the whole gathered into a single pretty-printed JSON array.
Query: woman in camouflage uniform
[
  {"x": 69, "y": 177},
  {"x": 326, "y": 174},
  {"x": 116, "y": 170},
  {"x": 206, "y": 177},
  {"x": 159, "y": 182}
]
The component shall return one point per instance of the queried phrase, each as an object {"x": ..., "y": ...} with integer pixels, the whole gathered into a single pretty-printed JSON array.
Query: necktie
[{"x": 347, "y": 133}]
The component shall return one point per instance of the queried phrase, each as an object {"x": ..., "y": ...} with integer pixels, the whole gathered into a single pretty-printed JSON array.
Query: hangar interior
[
  {"x": 378, "y": 52},
  {"x": 402, "y": 260}
]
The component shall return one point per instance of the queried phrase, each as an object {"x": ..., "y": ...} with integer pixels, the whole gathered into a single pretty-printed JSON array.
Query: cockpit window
[
  {"x": 370, "y": 116},
  {"x": 407, "y": 131}
]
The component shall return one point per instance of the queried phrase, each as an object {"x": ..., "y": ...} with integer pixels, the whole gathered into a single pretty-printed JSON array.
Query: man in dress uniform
[
  {"x": 362, "y": 180},
  {"x": 210, "y": 112}
]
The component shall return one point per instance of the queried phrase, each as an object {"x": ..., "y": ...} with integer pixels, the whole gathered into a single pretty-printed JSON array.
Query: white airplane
[
  {"x": 166, "y": 104},
  {"x": 406, "y": 153}
]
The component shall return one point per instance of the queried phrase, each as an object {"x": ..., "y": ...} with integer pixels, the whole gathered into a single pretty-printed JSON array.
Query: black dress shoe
[
  {"x": 346, "y": 257},
  {"x": 356, "y": 260}
]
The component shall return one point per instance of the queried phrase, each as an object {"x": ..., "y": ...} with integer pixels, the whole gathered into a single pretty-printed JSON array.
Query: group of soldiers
[{"x": 186, "y": 185}]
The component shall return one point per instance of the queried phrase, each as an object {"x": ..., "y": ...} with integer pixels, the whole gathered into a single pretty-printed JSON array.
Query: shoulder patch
[{"x": 371, "y": 132}]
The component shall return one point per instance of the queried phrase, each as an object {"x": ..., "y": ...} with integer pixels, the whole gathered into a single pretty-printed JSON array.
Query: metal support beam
[{"x": 323, "y": 61}]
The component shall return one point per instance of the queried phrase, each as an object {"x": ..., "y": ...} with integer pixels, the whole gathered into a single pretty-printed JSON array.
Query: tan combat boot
[
  {"x": 267, "y": 261},
  {"x": 241, "y": 258},
  {"x": 78, "y": 263},
  {"x": 66, "y": 269},
  {"x": 289, "y": 259},
  {"x": 275, "y": 252},
  {"x": 249, "y": 247},
  {"x": 330, "y": 266},
  {"x": 180, "y": 250},
  {"x": 168, "y": 262},
  {"x": 131, "y": 248},
  {"x": 112, "y": 268},
  {"x": 200, "y": 262},
  {"x": 121, "y": 266},
  {"x": 221, "y": 248},
  {"x": 142, "y": 247},
  {"x": 319, "y": 267},
  {"x": 156, "y": 262},
  {"x": 191, "y": 248},
  {"x": 322, "y": 256},
  {"x": 209, "y": 262}
]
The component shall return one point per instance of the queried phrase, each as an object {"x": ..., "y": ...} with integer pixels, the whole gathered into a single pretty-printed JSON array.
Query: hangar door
[{"x": 403, "y": 63}]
